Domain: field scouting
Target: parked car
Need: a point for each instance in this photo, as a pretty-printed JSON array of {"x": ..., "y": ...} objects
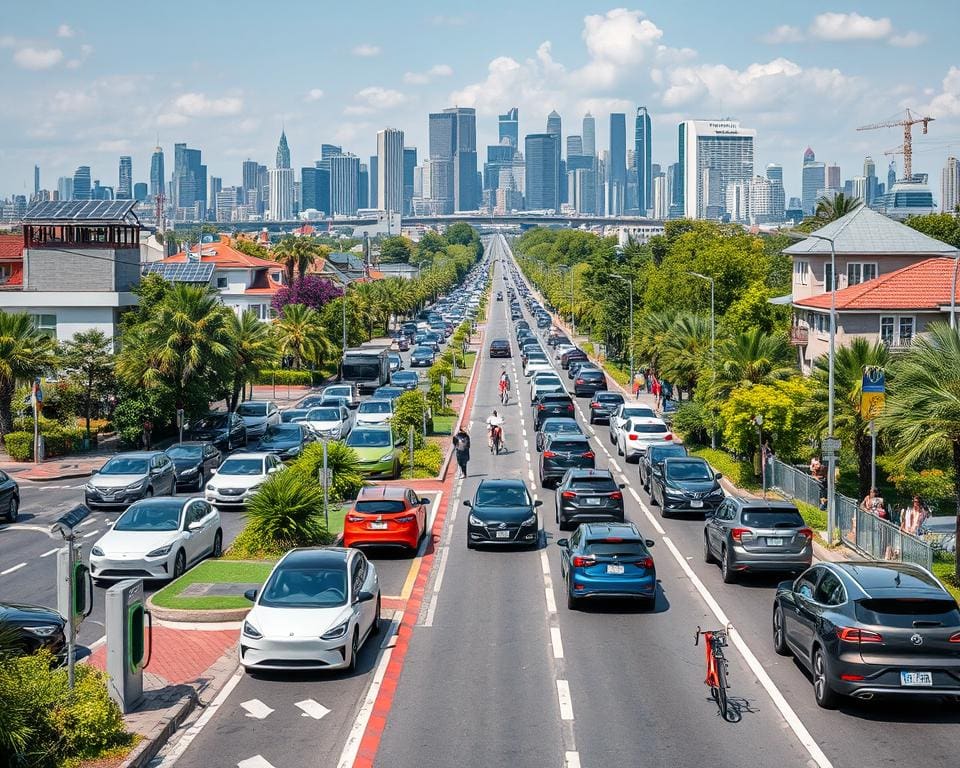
[
  {"x": 332, "y": 422},
  {"x": 500, "y": 348},
  {"x": 502, "y": 512},
  {"x": 349, "y": 390},
  {"x": 257, "y": 415},
  {"x": 608, "y": 560},
  {"x": 638, "y": 434},
  {"x": 866, "y": 629},
  {"x": 129, "y": 477},
  {"x": 286, "y": 440},
  {"x": 654, "y": 456},
  {"x": 756, "y": 535},
  {"x": 940, "y": 532},
  {"x": 422, "y": 357},
  {"x": 406, "y": 380},
  {"x": 603, "y": 404},
  {"x": 387, "y": 393},
  {"x": 240, "y": 477},
  {"x": 570, "y": 356},
  {"x": 157, "y": 539},
  {"x": 588, "y": 495},
  {"x": 193, "y": 462},
  {"x": 35, "y": 628},
  {"x": 588, "y": 382},
  {"x": 685, "y": 484},
  {"x": 551, "y": 404},
  {"x": 556, "y": 425},
  {"x": 296, "y": 414},
  {"x": 375, "y": 411},
  {"x": 386, "y": 516},
  {"x": 562, "y": 451},
  {"x": 377, "y": 450},
  {"x": 315, "y": 611},
  {"x": 9, "y": 497},
  {"x": 225, "y": 430}
]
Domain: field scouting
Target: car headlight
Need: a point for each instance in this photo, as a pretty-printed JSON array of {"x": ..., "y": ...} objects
[
  {"x": 337, "y": 632},
  {"x": 96, "y": 551},
  {"x": 160, "y": 552},
  {"x": 673, "y": 492},
  {"x": 386, "y": 457},
  {"x": 43, "y": 630},
  {"x": 532, "y": 520},
  {"x": 135, "y": 486},
  {"x": 210, "y": 487},
  {"x": 251, "y": 631},
  {"x": 716, "y": 492},
  {"x": 294, "y": 451},
  {"x": 474, "y": 520},
  {"x": 189, "y": 471},
  {"x": 256, "y": 487},
  {"x": 90, "y": 487}
]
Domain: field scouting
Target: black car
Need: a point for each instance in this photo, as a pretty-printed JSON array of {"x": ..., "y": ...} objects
[
  {"x": 285, "y": 440},
  {"x": 422, "y": 356},
  {"x": 602, "y": 404},
  {"x": 562, "y": 452},
  {"x": 576, "y": 365},
  {"x": 194, "y": 463},
  {"x": 550, "y": 404},
  {"x": 685, "y": 484},
  {"x": 409, "y": 330},
  {"x": 654, "y": 456},
  {"x": 407, "y": 380},
  {"x": 502, "y": 512},
  {"x": 588, "y": 382},
  {"x": 9, "y": 497},
  {"x": 544, "y": 321},
  {"x": 35, "y": 628},
  {"x": 588, "y": 495},
  {"x": 225, "y": 430},
  {"x": 556, "y": 425},
  {"x": 865, "y": 629},
  {"x": 521, "y": 324},
  {"x": 293, "y": 414},
  {"x": 500, "y": 348},
  {"x": 310, "y": 401},
  {"x": 570, "y": 356}
]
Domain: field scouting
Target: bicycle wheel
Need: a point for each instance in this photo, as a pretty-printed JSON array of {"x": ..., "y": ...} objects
[{"x": 728, "y": 712}]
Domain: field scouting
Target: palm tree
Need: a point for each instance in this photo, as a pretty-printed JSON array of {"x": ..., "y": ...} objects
[
  {"x": 301, "y": 335},
  {"x": 24, "y": 354},
  {"x": 651, "y": 335},
  {"x": 684, "y": 351},
  {"x": 831, "y": 209},
  {"x": 296, "y": 254},
  {"x": 252, "y": 349},
  {"x": 923, "y": 410},
  {"x": 753, "y": 356},
  {"x": 851, "y": 360}
]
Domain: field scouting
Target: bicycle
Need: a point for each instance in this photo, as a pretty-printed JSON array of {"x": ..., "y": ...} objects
[
  {"x": 715, "y": 642},
  {"x": 504, "y": 395},
  {"x": 496, "y": 440}
]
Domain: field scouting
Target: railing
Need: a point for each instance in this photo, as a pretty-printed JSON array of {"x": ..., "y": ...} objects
[{"x": 859, "y": 530}]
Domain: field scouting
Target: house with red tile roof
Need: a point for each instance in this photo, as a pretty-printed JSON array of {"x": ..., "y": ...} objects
[{"x": 11, "y": 262}]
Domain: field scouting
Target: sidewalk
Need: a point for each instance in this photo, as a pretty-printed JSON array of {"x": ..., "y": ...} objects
[{"x": 61, "y": 467}]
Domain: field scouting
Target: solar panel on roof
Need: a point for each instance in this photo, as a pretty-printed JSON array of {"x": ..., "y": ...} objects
[
  {"x": 81, "y": 210},
  {"x": 183, "y": 272}
]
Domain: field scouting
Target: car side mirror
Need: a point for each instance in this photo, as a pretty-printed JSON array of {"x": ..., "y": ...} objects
[
  {"x": 718, "y": 476},
  {"x": 656, "y": 470},
  {"x": 621, "y": 485},
  {"x": 195, "y": 526},
  {"x": 649, "y": 542},
  {"x": 425, "y": 501},
  {"x": 538, "y": 502},
  {"x": 563, "y": 543},
  {"x": 364, "y": 596},
  {"x": 272, "y": 470},
  {"x": 468, "y": 503},
  {"x": 251, "y": 595}
]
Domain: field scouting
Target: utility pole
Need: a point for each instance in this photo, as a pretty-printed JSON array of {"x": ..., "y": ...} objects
[{"x": 629, "y": 282}]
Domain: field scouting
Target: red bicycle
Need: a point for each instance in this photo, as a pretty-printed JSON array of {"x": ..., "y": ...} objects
[{"x": 715, "y": 640}]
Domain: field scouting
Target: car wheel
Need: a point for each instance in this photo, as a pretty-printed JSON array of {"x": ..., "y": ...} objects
[
  {"x": 572, "y": 602},
  {"x": 179, "y": 564},
  {"x": 14, "y": 511},
  {"x": 229, "y": 443},
  {"x": 707, "y": 554},
  {"x": 217, "y": 545},
  {"x": 825, "y": 696},
  {"x": 375, "y": 627},
  {"x": 779, "y": 633},
  {"x": 354, "y": 650},
  {"x": 726, "y": 571},
  {"x": 200, "y": 482}
]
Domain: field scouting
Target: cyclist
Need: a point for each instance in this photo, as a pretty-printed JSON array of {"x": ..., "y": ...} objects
[
  {"x": 504, "y": 385},
  {"x": 494, "y": 430}
]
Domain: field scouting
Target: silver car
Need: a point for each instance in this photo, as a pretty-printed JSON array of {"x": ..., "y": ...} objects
[
  {"x": 128, "y": 477},
  {"x": 257, "y": 415},
  {"x": 333, "y": 422}
]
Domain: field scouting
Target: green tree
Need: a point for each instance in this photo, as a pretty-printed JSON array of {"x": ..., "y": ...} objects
[
  {"x": 252, "y": 348},
  {"x": 830, "y": 209},
  {"x": 251, "y": 248},
  {"x": 781, "y": 405},
  {"x": 297, "y": 255},
  {"x": 685, "y": 351},
  {"x": 24, "y": 354},
  {"x": 88, "y": 358},
  {"x": 754, "y": 310},
  {"x": 301, "y": 335},
  {"x": 942, "y": 226},
  {"x": 753, "y": 357},
  {"x": 396, "y": 250}
]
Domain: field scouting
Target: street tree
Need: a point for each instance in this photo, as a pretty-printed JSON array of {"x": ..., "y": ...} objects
[
  {"x": 396, "y": 250},
  {"x": 25, "y": 353},
  {"x": 88, "y": 360},
  {"x": 833, "y": 208},
  {"x": 301, "y": 335},
  {"x": 252, "y": 349}
]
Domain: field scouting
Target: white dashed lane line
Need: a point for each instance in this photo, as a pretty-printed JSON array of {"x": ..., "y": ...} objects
[
  {"x": 566, "y": 704},
  {"x": 17, "y": 567}
]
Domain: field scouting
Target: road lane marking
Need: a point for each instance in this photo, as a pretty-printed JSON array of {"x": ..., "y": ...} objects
[
  {"x": 530, "y": 475},
  {"x": 613, "y": 463},
  {"x": 92, "y": 533},
  {"x": 571, "y": 760},
  {"x": 256, "y": 709},
  {"x": 17, "y": 567},
  {"x": 257, "y": 761},
  {"x": 50, "y": 552},
  {"x": 551, "y": 603},
  {"x": 556, "y": 642},
  {"x": 544, "y": 562},
  {"x": 87, "y": 522},
  {"x": 566, "y": 705},
  {"x": 313, "y": 708},
  {"x": 441, "y": 568}
]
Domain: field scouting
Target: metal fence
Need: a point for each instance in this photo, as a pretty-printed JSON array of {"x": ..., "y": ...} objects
[{"x": 859, "y": 530}]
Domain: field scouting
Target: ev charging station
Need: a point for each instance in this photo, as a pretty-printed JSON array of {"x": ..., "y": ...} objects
[
  {"x": 128, "y": 626},
  {"x": 74, "y": 584}
]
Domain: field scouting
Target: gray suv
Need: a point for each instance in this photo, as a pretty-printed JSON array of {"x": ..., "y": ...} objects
[
  {"x": 128, "y": 477},
  {"x": 757, "y": 535}
]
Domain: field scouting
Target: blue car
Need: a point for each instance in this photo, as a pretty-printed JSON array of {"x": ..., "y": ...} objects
[
  {"x": 422, "y": 356},
  {"x": 608, "y": 560}
]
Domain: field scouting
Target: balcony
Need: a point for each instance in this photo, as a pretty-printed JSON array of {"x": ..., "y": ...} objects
[
  {"x": 799, "y": 337},
  {"x": 898, "y": 344}
]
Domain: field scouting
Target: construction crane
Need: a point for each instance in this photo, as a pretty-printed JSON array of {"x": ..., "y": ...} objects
[{"x": 908, "y": 122}]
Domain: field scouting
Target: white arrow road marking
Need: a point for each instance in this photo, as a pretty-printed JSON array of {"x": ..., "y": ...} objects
[
  {"x": 257, "y": 761},
  {"x": 256, "y": 708},
  {"x": 313, "y": 709}
]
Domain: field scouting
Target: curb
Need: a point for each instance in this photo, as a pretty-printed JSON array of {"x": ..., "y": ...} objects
[
  {"x": 468, "y": 390},
  {"x": 23, "y": 474},
  {"x": 194, "y": 616}
]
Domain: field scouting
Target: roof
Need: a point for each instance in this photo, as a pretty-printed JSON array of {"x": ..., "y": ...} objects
[
  {"x": 924, "y": 285},
  {"x": 82, "y": 211},
  {"x": 383, "y": 492},
  {"x": 11, "y": 247},
  {"x": 182, "y": 272},
  {"x": 314, "y": 556},
  {"x": 224, "y": 255},
  {"x": 865, "y": 231},
  {"x": 623, "y": 530}
]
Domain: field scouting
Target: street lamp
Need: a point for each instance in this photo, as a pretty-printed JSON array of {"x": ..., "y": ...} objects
[
  {"x": 345, "y": 281},
  {"x": 629, "y": 282},
  {"x": 713, "y": 351},
  {"x": 573, "y": 321},
  {"x": 758, "y": 420}
]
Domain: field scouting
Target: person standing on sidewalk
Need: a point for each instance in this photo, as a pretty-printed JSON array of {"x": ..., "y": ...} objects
[
  {"x": 461, "y": 444},
  {"x": 147, "y": 434}
]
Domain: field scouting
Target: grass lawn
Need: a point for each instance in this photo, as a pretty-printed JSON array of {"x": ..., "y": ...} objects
[
  {"x": 336, "y": 515},
  {"x": 443, "y": 425},
  {"x": 457, "y": 387},
  {"x": 214, "y": 572},
  {"x": 945, "y": 570}
]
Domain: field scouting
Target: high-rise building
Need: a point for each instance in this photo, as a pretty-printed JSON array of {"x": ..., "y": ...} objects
[
  {"x": 870, "y": 173},
  {"x": 589, "y": 134},
  {"x": 65, "y": 188},
  {"x": 660, "y": 202},
  {"x": 315, "y": 189},
  {"x": 574, "y": 145},
  {"x": 189, "y": 180},
  {"x": 344, "y": 184},
  {"x": 775, "y": 173},
  {"x": 214, "y": 187},
  {"x": 499, "y": 157},
  {"x": 226, "y": 202},
  {"x": 36, "y": 180},
  {"x": 542, "y": 171},
  {"x": 283, "y": 151},
  {"x": 251, "y": 184},
  {"x": 813, "y": 177},
  {"x": 281, "y": 194},
  {"x": 509, "y": 127},
  {"x": 738, "y": 201},
  {"x": 643, "y": 161},
  {"x": 125, "y": 187},
  {"x": 833, "y": 177},
  {"x": 140, "y": 192},
  {"x": 390, "y": 170},
  {"x": 330, "y": 150},
  {"x": 373, "y": 169},
  {"x": 157, "y": 173},
  {"x": 891, "y": 174},
  {"x": 364, "y": 186},
  {"x": 713, "y": 155},
  {"x": 675, "y": 190},
  {"x": 466, "y": 192},
  {"x": 950, "y": 185},
  {"x": 555, "y": 127},
  {"x": 766, "y": 200},
  {"x": 443, "y": 146},
  {"x": 81, "y": 183},
  {"x": 554, "y": 123},
  {"x": 617, "y": 167},
  {"x": 409, "y": 165}
]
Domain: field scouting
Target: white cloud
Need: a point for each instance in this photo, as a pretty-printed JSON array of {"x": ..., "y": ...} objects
[
  {"x": 366, "y": 50},
  {"x": 946, "y": 103},
  {"x": 114, "y": 145},
  {"x": 37, "y": 58},
  {"x": 373, "y": 99},
  {"x": 620, "y": 36},
  {"x": 783, "y": 34},
  {"x": 422, "y": 78},
  {"x": 199, "y": 105},
  {"x": 73, "y": 101},
  {"x": 907, "y": 40},
  {"x": 171, "y": 118},
  {"x": 849, "y": 26},
  {"x": 65, "y": 30},
  {"x": 314, "y": 94}
]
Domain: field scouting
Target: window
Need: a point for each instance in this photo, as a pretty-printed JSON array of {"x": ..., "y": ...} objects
[
  {"x": 886, "y": 330},
  {"x": 221, "y": 282},
  {"x": 906, "y": 331},
  {"x": 801, "y": 272},
  {"x": 828, "y": 281},
  {"x": 830, "y": 590},
  {"x": 897, "y": 330},
  {"x": 46, "y": 324},
  {"x": 5, "y": 272},
  {"x": 806, "y": 585},
  {"x": 860, "y": 272}
]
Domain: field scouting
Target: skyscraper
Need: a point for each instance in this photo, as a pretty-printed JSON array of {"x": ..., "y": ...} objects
[
  {"x": 214, "y": 187},
  {"x": 574, "y": 145},
  {"x": 189, "y": 180},
  {"x": 157, "y": 173},
  {"x": 390, "y": 169},
  {"x": 251, "y": 184},
  {"x": 870, "y": 173},
  {"x": 283, "y": 151},
  {"x": 509, "y": 127},
  {"x": 443, "y": 144},
  {"x": 891, "y": 174},
  {"x": 409, "y": 165},
  {"x": 81, "y": 183},
  {"x": 713, "y": 155},
  {"x": 125, "y": 187},
  {"x": 833, "y": 177},
  {"x": 344, "y": 184},
  {"x": 542, "y": 171},
  {"x": 778, "y": 197},
  {"x": 813, "y": 178},
  {"x": 140, "y": 192},
  {"x": 554, "y": 124},
  {"x": 950, "y": 185},
  {"x": 660, "y": 201},
  {"x": 330, "y": 150},
  {"x": 617, "y": 168},
  {"x": 373, "y": 170},
  {"x": 775, "y": 173},
  {"x": 281, "y": 181},
  {"x": 36, "y": 180},
  {"x": 589, "y": 134},
  {"x": 643, "y": 159},
  {"x": 555, "y": 128},
  {"x": 466, "y": 192},
  {"x": 65, "y": 188}
]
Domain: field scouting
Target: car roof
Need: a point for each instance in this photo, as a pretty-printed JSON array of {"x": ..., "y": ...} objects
[
  {"x": 885, "y": 579},
  {"x": 137, "y": 455},
  {"x": 316, "y": 556},
  {"x": 607, "y": 393},
  {"x": 508, "y": 482},
  {"x": 584, "y": 472},
  {"x": 383, "y": 492},
  {"x": 752, "y": 503},
  {"x": 163, "y": 501},
  {"x": 189, "y": 442},
  {"x": 576, "y": 436},
  {"x": 551, "y": 420},
  {"x": 626, "y": 530},
  {"x": 250, "y": 455},
  {"x": 647, "y": 420}
]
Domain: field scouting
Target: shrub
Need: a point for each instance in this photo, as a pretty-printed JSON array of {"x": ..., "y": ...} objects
[
  {"x": 341, "y": 460},
  {"x": 408, "y": 412},
  {"x": 426, "y": 461},
  {"x": 691, "y": 420},
  {"x": 19, "y": 445},
  {"x": 286, "y": 512},
  {"x": 438, "y": 370},
  {"x": 283, "y": 376},
  {"x": 737, "y": 471}
]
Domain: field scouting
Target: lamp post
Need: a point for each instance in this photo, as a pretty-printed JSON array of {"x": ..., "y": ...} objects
[
  {"x": 713, "y": 350},
  {"x": 629, "y": 282},
  {"x": 758, "y": 420},
  {"x": 343, "y": 307}
]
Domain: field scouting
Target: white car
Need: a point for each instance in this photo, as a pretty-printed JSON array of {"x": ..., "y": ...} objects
[
  {"x": 315, "y": 611},
  {"x": 545, "y": 382},
  {"x": 157, "y": 539},
  {"x": 538, "y": 366},
  {"x": 239, "y": 477},
  {"x": 560, "y": 349},
  {"x": 375, "y": 411},
  {"x": 627, "y": 411},
  {"x": 257, "y": 415},
  {"x": 329, "y": 421},
  {"x": 638, "y": 434},
  {"x": 348, "y": 391}
]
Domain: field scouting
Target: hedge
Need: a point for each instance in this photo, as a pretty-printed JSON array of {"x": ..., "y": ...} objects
[
  {"x": 285, "y": 376},
  {"x": 57, "y": 442}
]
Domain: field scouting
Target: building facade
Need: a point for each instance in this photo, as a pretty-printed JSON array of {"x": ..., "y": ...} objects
[
  {"x": 390, "y": 170},
  {"x": 713, "y": 154},
  {"x": 589, "y": 134},
  {"x": 509, "y": 127},
  {"x": 643, "y": 161},
  {"x": 542, "y": 171},
  {"x": 812, "y": 178},
  {"x": 344, "y": 185},
  {"x": 950, "y": 185}
]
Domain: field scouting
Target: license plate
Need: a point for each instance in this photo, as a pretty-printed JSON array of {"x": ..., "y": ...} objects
[
  {"x": 592, "y": 501},
  {"x": 696, "y": 503},
  {"x": 614, "y": 569},
  {"x": 503, "y": 534},
  {"x": 108, "y": 497},
  {"x": 916, "y": 679},
  {"x": 378, "y": 526},
  {"x": 774, "y": 542}
]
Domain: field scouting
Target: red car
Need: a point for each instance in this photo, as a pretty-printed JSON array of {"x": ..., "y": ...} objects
[{"x": 386, "y": 516}]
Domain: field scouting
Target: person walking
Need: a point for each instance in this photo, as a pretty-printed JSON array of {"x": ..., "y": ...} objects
[
  {"x": 911, "y": 517},
  {"x": 873, "y": 504},
  {"x": 461, "y": 444},
  {"x": 147, "y": 434}
]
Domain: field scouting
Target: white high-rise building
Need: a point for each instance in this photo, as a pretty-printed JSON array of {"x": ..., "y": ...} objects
[
  {"x": 950, "y": 185},
  {"x": 661, "y": 197},
  {"x": 390, "y": 169},
  {"x": 713, "y": 155},
  {"x": 766, "y": 200},
  {"x": 589, "y": 135},
  {"x": 860, "y": 188},
  {"x": 281, "y": 194},
  {"x": 738, "y": 201}
]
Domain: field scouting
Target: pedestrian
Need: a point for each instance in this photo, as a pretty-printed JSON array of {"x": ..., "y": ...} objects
[
  {"x": 655, "y": 389},
  {"x": 911, "y": 517},
  {"x": 641, "y": 382},
  {"x": 147, "y": 434},
  {"x": 819, "y": 473},
  {"x": 636, "y": 386},
  {"x": 461, "y": 444},
  {"x": 873, "y": 504}
]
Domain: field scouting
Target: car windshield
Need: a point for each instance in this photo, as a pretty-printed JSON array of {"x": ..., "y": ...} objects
[
  {"x": 379, "y": 506},
  {"x": 637, "y": 412},
  {"x": 252, "y": 409},
  {"x": 405, "y": 376},
  {"x": 609, "y": 397},
  {"x": 568, "y": 445},
  {"x": 610, "y": 548},
  {"x": 241, "y": 467},
  {"x": 771, "y": 518},
  {"x": 212, "y": 422},
  {"x": 908, "y": 612},
  {"x": 502, "y": 496},
  {"x": 567, "y": 425},
  {"x": 283, "y": 432},
  {"x": 151, "y": 517},
  {"x": 660, "y": 452},
  {"x": 120, "y": 466},
  {"x": 298, "y": 587},
  {"x": 688, "y": 470},
  {"x": 323, "y": 414},
  {"x": 337, "y": 391},
  {"x": 423, "y": 351},
  {"x": 292, "y": 414},
  {"x": 376, "y": 406},
  {"x": 185, "y": 451},
  {"x": 369, "y": 438}
]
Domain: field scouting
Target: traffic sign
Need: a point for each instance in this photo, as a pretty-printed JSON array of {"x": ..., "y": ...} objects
[{"x": 831, "y": 444}]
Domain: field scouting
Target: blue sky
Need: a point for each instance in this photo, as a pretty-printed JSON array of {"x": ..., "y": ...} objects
[{"x": 87, "y": 82}]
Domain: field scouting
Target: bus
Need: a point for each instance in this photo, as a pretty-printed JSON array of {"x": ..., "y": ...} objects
[{"x": 367, "y": 367}]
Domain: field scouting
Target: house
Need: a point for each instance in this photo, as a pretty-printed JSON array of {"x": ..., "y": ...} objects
[{"x": 11, "y": 262}]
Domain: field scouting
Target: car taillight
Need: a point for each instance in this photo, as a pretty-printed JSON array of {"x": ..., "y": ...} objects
[
  {"x": 647, "y": 562},
  {"x": 616, "y": 495},
  {"x": 589, "y": 455},
  {"x": 405, "y": 519},
  {"x": 594, "y": 405},
  {"x": 806, "y": 533},
  {"x": 955, "y": 637},
  {"x": 632, "y": 436},
  {"x": 568, "y": 495},
  {"x": 668, "y": 436},
  {"x": 582, "y": 562},
  {"x": 569, "y": 406},
  {"x": 540, "y": 407},
  {"x": 549, "y": 455},
  {"x": 854, "y": 635},
  {"x": 739, "y": 534},
  {"x": 579, "y": 381},
  {"x": 354, "y": 519}
]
